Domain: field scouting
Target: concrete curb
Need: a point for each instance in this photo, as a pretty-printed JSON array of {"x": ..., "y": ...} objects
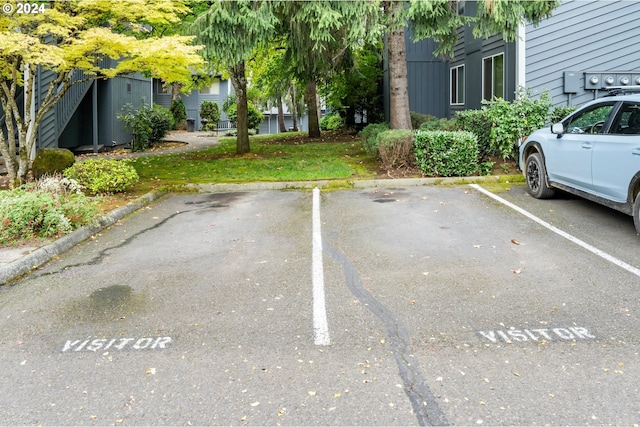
[
  {"x": 41, "y": 255},
  {"x": 357, "y": 184}
]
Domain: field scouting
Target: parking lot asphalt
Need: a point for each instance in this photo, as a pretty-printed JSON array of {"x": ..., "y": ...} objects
[
  {"x": 443, "y": 305},
  {"x": 19, "y": 260}
]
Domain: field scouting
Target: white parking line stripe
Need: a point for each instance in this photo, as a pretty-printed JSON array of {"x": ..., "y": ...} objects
[
  {"x": 602, "y": 254},
  {"x": 320, "y": 325}
]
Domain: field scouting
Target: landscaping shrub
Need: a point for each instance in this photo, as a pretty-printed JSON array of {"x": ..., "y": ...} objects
[
  {"x": 417, "y": 119},
  {"x": 210, "y": 111},
  {"x": 559, "y": 113},
  {"x": 511, "y": 121},
  {"x": 148, "y": 125},
  {"x": 446, "y": 153},
  {"x": 161, "y": 123},
  {"x": 477, "y": 122},
  {"x": 57, "y": 184},
  {"x": 434, "y": 123},
  {"x": 369, "y": 135},
  {"x": 32, "y": 211},
  {"x": 102, "y": 176},
  {"x": 49, "y": 161},
  {"x": 254, "y": 117},
  {"x": 179, "y": 114},
  {"x": 395, "y": 148},
  {"x": 332, "y": 122}
]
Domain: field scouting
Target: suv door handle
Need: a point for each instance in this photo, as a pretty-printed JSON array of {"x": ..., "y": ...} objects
[
  {"x": 636, "y": 151},
  {"x": 587, "y": 145}
]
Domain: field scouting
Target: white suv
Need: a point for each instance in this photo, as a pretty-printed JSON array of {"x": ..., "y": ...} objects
[{"x": 593, "y": 153}]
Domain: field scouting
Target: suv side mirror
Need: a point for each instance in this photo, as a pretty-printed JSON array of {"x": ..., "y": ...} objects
[{"x": 558, "y": 129}]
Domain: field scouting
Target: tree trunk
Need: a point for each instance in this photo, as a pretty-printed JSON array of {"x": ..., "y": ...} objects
[
  {"x": 27, "y": 128},
  {"x": 239, "y": 81},
  {"x": 281, "y": 126},
  {"x": 8, "y": 145},
  {"x": 176, "y": 90},
  {"x": 312, "y": 110},
  {"x": 399, "y": 113}
]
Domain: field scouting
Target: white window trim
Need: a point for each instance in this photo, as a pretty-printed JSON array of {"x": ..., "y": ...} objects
[
  {"x": 521, "y": 56},
  {"x": 457, "y": 68},
  {"x": 212, "y": 89},
  {"x": 162, "y": 89},
  {"x": 492, "y": 57}
]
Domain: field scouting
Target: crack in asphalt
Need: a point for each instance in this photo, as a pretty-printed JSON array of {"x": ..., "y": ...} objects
[
  {"x": 99, "y": 257},
  {"x": 211, "y": 201},
  {"x": 422, "y": 398}
]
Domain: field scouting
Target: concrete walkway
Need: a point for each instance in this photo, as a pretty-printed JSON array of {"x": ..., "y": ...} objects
[{"x": 195, "y": 141}]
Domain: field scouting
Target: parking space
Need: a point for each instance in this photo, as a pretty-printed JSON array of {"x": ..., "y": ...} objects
[
  {"x": 511, "y": 323},
  {"x": 443, "y": 306}
]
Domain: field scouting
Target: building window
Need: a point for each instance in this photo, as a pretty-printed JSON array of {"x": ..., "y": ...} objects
[
  {"x": 493, "y": 77},
  {"x": 213, "y": 89},
  {"x": 461, "y": 4},
  {"x": 162, "y": 86},
  {"x": 457, "y": 85}
]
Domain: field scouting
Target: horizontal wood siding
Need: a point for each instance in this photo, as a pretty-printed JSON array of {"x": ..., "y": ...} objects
[{"x": 582, "y": 36}]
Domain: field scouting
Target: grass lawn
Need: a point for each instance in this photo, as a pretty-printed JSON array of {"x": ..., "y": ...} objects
[{"x": 289, "y": 157}]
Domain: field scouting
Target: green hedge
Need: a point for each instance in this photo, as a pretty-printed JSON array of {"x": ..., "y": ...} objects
[
  {"x": 478, "y": 123},
  {"x": 49, "y": 161},
  {"x": 446, "y": 153}
]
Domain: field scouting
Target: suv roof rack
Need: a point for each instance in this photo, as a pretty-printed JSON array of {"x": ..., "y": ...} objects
[{"x": 621, "y": 90}]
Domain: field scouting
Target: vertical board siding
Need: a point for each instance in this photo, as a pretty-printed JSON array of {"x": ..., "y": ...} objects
[
  {"x": 120, "y": 96},
  {"x": 427, "y": 77},
  {"x": 582, "y": 36}
]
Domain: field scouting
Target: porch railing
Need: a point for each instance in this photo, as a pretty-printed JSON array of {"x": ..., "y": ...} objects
[{"x": 68, "y": 104}]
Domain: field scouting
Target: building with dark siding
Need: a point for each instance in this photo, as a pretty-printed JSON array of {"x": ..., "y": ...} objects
[{"x": 584, "y": 47}]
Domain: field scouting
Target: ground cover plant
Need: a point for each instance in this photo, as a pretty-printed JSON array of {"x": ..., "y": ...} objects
[
  {"x": 48, "y": 208},
  {"x": 103, "y": 176}
]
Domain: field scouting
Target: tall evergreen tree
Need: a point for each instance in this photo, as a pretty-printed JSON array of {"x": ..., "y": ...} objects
[
  {"x": 272, "y": 77},
  {"x": 317, "y": 35},
  {"x": 231, "y": 31}
]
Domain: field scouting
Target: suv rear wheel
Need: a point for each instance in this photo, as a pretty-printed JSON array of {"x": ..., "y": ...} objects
[
  {"x": 636, "y": 213},
  {"x": 536, "y": 177}
]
